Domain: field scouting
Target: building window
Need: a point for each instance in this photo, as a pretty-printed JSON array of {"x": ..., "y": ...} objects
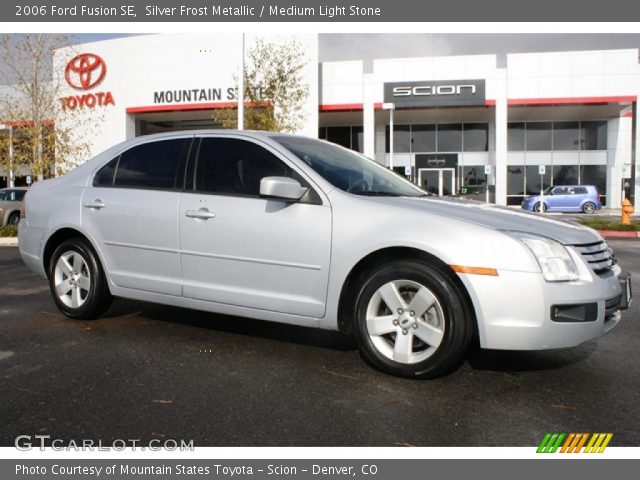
[
  {"x": 538, "y": 136},
  {"x": 515, "y": 184},
  {"x": 593, "y": 135},
  {"x": 562, "y": 136},
  {"x": 348, "y": 137},
  {"x": 565, "y": 175},
  {"x": 595, "y": 175},
  {"x": 472, "y": 176},
  {"x": 533, "y": 183},
  {"x": 339, "y": 135},
  {"x": 566, "y": 135},
  {"x": 475, "y": 137},
  {"x": 423, "y": 138},
  {"x": 449, "y": 137},
  {"x": 357, "y": 139},
  {"x": 515, "y": 137}
]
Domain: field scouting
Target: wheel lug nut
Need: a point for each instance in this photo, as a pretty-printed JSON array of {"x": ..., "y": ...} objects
[
  {"x": 412, "y": 313},
  {"x": 395, "y": 322},
  {"x": 400, "y": 311},
  {"x": 404, "y": 332},
  {"x": 415, "y": 325}
]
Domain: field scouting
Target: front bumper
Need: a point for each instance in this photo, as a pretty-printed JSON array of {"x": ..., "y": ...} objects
[{"x": 515, "y": 309}]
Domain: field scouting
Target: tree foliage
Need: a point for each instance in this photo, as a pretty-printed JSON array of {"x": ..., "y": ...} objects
[
  {"x": 31, "y": 103},
  {"x": 274, "y": 88}
]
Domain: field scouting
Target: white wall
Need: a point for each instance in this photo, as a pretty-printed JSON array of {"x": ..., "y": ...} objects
[{"x": 139, "y": 65}]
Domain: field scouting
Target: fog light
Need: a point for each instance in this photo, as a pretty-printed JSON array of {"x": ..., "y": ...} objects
[{"x": 587, "y": 312}]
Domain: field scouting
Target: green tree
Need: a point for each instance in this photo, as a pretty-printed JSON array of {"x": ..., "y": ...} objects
[
  {"x": 31, "y": 102},
  {"x": 274, "y": 88}
]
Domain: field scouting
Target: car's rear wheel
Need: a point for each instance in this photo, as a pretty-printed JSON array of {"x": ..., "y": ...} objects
[
  {"x": 77, "y": 281},
  {"x": 589, "y": 207},
  {"x": 14, "y": 219},
  {"x": 539, "y": 207},
  {"x": 411, "y": 320}
]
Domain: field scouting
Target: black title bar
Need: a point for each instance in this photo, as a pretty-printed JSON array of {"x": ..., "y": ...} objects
[{"x": 318, "y": 11}]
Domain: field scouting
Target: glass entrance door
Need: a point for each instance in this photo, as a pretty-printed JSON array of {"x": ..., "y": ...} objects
[{"x": 439, "y": 181}]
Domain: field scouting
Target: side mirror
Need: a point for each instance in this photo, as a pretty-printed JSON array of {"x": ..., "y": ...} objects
[{"x": 283, "y": 188}]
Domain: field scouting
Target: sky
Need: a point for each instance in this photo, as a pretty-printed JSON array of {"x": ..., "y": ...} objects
[{"x": 367, "y": 46}]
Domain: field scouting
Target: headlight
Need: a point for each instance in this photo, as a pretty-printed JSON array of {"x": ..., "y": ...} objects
[{"x": 554, "y": 259}]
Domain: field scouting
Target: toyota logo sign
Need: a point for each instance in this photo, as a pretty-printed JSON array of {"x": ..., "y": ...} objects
[{"x": 85, "y": 71}]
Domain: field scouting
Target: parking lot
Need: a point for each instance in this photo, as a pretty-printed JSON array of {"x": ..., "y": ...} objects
[{"x": 146, "y": 371}]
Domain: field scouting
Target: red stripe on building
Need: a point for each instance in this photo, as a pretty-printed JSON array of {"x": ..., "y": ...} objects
[
  {"x": 188, "y": 106},
  {"x": 570, "y": 100},
  {"x": 347, "y": 107}
]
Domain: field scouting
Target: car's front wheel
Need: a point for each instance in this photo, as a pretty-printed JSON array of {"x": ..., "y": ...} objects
[
  {"x": 411, "y": 320},
  {"x": 540, "y": 207},
  {"x": 589, "y": 207},
  {"x": 77, "y": 281}
]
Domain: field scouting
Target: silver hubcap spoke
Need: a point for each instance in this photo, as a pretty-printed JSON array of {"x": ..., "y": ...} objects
[
  {"x": 405, "y": 321},
  {"x": 422, "y": 302},
  {"x": 72, "y": 279},
  {"x": 391, "y": 296},
  {"x": 428, "y": 334}
]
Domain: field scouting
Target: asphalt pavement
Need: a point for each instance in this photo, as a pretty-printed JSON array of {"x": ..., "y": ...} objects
[{"x": 147, "y": 371}]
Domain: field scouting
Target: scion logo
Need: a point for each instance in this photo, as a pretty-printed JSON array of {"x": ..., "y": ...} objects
[
  {"x": 435, "y": 93},
  {"x": 428, "y": 90},
  {"x": 85, "y": 71},
  {"x": 436, "y": 162}
]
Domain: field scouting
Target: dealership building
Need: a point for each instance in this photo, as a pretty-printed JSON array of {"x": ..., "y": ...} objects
[{"x": 451, "y": 124}]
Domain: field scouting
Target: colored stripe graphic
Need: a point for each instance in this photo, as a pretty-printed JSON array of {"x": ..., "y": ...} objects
[
  {"x": 550, "y": 443},
  {"x": 574, "y": 442}
]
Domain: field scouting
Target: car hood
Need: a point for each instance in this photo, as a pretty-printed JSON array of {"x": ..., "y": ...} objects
[{"x": 498, "y": 218}]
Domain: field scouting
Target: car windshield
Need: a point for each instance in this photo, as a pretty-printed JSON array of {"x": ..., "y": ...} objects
[
  {"x": 348, "y": 170},
  {"x": 3, "y": 195},
  {"x": 547, "y": 191}
]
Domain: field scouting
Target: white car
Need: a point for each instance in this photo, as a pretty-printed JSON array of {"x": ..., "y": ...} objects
[{"x": 300, "y": 231}]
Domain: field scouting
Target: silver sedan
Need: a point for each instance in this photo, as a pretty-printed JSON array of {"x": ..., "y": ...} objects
[{"x": 300, "y": 231}]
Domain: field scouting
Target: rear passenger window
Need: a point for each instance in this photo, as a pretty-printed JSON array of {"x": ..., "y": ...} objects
[
  {"x": 154, "y": 165},
  {"x": 231, "y": 166},
  {"x": 580, "y": 191},
  {"x": 105, "y": 175}
]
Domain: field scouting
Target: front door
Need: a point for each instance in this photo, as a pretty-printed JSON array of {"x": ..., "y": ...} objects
[
  {"x": 237, "y": 248},
  {"x": 439, "y": 181}
]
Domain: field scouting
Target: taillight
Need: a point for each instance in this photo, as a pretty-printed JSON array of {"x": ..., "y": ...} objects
[{"x": 23, "y": 213}]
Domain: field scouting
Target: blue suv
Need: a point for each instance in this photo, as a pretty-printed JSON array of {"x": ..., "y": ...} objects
[{"x": 565, "y": 198}]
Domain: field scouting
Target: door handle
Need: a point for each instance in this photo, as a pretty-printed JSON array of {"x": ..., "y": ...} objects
[
  {"x": 96, "y": 204},
  {"x": 201, "y": 213}
]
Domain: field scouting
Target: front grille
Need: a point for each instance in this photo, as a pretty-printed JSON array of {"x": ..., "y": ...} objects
[{"x": 598, "y": 255}]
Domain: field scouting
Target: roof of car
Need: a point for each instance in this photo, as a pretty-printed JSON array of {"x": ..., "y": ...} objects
[{"x": 13, "y": 188}]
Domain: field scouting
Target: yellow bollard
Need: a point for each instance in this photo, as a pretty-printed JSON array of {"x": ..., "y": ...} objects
[{"x": 627, "y": 210}]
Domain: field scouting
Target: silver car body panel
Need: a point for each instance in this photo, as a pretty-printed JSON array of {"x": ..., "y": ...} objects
[{"x": 288, "y": 262}]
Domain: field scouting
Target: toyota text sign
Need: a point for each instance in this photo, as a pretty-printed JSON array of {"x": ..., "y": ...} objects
[{"x": 440, "y": 93}]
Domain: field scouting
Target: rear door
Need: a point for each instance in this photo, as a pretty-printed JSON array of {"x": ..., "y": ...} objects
[
  {"x": 131, "y": 211},
  {"x": 240, "y": 249}
]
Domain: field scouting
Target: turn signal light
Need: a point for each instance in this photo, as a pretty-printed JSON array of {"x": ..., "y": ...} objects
[{"x": 475, "y": 270}]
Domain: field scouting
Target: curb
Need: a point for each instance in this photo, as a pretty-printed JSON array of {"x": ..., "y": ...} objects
[
  {"x": 8, "y": 241},
  {"x": 616, "y": 234}
]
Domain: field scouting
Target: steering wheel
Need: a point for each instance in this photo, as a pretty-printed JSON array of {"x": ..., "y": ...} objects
[{"x": 359, "y": 186}]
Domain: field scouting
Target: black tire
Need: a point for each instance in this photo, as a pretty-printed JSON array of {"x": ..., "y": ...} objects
[
  {"x": 540, "y": 207},
  {"x": 457, "y": 320},
  {"x": 14, "y": 219},
  {"x": 98, "y": 297},
  {"x": 589, "y": 207}
]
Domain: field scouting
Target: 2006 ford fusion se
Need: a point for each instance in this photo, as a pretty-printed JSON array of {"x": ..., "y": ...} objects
[{"x": 301, "y": 231}]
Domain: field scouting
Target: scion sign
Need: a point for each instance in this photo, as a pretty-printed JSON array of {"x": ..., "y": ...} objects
[{"x": 442, "y": 93}]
